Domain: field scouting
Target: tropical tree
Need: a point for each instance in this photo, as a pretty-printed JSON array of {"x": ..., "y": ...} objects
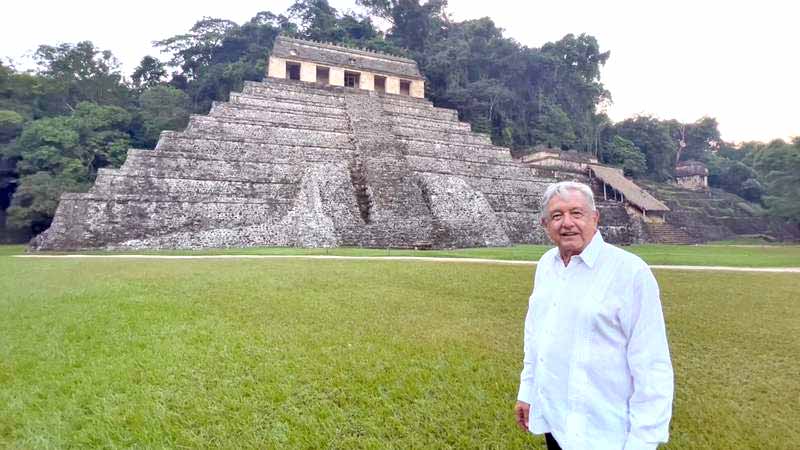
[
  {"x": 80, "y": 72},
  {"x": 148, "y": 73},
  {"x": 58, "y": 154},
  {"x": 653, "y": 138},
  {"x": 624, "y": 153},
  {"x": 161, "y": 108},
  {"x": 779, "y": 166},
  {"x": 414, "y": 25}
]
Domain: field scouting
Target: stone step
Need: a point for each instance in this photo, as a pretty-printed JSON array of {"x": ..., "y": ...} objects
[
  {"x": 198, "y": 122},
  {"x": 423, "y": 145},
  {"x": 439, "y": 132},
  {"x": 422, "y": 112},
  {"x": 235, "y": 154},
  {"x": 212, "y": 127},
  {"x": 136, "y": 216},
  {"x": 157, "y": 164},
  {"x": 493, "y": 185},
  {"x": 411, "y": 122},
  {"x": 114, "y": 182},
  {"x": 95, "y": 196},
  {"x": 290, "y": 107},
  {"x": 312, "y": 97},
  {"x": 665, "y": 233},
  {"x": 241, "y": 113},
  {"x": 418, "y": 134},
  {"x": 472, "y": 168},
  {"x": 477, "y": 155},
  {"x": 228, "y": 148},
  {"x": 278, "y": 102},
  {"x": 425, "y": 121},
  {"x": 405, "y": 101}
]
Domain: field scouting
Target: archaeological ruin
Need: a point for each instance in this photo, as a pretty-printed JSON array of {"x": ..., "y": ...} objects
[{"x": 335, "y": 147}]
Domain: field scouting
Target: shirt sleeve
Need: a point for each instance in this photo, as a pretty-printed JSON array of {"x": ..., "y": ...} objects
[
  {"x": 529, "y": 359},
  {"x": 650, "y": 405}
]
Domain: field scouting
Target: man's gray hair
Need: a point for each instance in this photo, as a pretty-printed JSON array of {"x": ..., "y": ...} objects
[{"x": 563, "y": 187}]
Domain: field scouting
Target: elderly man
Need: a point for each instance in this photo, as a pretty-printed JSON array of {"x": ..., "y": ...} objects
[{"x": 597, "y": 372}]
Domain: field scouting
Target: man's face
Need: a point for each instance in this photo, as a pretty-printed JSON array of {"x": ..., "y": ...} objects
[{"x": 570, "y": 223}]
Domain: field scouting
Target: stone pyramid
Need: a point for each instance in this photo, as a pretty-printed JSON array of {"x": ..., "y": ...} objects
[{"x": 314, "y": 164}]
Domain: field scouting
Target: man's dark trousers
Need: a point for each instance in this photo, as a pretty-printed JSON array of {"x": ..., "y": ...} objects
[{"x": 552, "y": 444}]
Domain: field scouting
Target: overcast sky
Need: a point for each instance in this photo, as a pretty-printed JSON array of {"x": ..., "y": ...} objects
[{"x": 738, "y": 61}]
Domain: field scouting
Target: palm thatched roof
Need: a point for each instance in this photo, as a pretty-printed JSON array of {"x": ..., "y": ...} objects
[{"x": 632, "y": 193}]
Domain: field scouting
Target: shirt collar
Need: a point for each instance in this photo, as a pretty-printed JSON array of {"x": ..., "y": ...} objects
[
  {"x": 589, "y": 254},
  {"x": 592, "y": 251}
]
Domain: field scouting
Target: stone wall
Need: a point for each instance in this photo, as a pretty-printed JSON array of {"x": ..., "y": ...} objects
[
  {"x": 338, "y": 56},
  {"x": 311, "y": 55},
  {"x": 295, "y": 164},
  {"x": 693, "y": 182}
]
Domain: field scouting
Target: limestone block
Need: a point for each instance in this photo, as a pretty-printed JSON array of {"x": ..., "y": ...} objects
[
  {"x": 336, "y": 75},
  {"x": 306, "y": 95},
  {"x": 367, "y": 81},
  {"x": 418, "y": 111},
  {"x": 239, "y": 149},
  {"x": 417, "y": 89},
  {"x": 277, "y": 105},
  {"x": 431, "y": 124},
  {"x": 444, "y": 136},
  {"x": 277, "y": 67},
  {"x": 329, "y": 122},
  {"x": 308, "y": 72},
  {"x": 392, "y": 85},
  {"x": 227, "y": 129}
]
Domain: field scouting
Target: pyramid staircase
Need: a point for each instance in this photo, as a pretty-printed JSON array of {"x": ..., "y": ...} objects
[
  {"x": 714, "y": 215},
  {"x": 665, "y": 233}
]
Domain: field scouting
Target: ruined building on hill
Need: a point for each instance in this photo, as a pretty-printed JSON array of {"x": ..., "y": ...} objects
[{"x": 336, "y": 147}]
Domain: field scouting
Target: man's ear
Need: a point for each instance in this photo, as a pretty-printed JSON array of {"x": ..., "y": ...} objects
[{"x": 597, "y": 216}]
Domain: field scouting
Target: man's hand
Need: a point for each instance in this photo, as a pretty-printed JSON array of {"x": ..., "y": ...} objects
[{"x": 522, "y": 411}]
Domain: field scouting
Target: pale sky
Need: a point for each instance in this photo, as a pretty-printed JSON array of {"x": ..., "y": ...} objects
[{"x": 737, "y": 61}]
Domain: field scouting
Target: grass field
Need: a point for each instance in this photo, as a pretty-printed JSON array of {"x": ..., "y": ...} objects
[
  {"x": 695, "y": 255},
  {"x": 349, "y": 354}
]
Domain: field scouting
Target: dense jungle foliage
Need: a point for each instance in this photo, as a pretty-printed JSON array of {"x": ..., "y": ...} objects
[{"x": 77, "y": 112}]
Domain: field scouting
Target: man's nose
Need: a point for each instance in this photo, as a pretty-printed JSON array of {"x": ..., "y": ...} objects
[{"x": 568, "y": 222}]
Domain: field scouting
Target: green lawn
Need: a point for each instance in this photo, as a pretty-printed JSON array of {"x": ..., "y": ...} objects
[
  {"x": 349, "y": 354},
  {"x": 656, "y": 254}
]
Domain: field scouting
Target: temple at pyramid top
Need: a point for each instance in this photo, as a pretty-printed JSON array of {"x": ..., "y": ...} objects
[{"x": 334, "y": 65}]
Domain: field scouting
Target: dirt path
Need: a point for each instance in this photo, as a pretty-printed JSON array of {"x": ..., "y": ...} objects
[{"x": 400, "y": 258}]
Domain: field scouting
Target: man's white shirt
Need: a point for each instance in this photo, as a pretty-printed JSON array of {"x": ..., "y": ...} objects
[{"x": 597, "y": 370}]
